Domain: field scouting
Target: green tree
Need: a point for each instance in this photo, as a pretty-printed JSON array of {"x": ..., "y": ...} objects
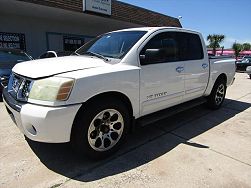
[
  {"x": 214, "y": 41},
  {"x": 237, "y": 47},
  {"x": 246, "y": 46}
]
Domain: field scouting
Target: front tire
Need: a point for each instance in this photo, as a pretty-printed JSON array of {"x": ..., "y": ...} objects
[
  {"x": 217, "y": 96},
  {"x": 100, "y": 128}
]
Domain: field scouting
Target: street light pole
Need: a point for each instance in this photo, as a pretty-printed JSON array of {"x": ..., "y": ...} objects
[{"x": 179, "y": 18}]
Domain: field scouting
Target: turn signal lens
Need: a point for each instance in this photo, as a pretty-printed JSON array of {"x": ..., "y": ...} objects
[{"x": 64, "y": 91}]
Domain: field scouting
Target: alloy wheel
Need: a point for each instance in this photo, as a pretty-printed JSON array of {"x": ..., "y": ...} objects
[
  {"x": 105, "y": 130},
  {"x": 220, "y": 94}
]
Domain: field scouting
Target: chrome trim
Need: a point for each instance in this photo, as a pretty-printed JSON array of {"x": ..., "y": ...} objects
[{"x": 19, "y": 87}]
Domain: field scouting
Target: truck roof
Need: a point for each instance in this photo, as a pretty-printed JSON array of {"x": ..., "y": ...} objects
[{"x": 156, "y": 29}]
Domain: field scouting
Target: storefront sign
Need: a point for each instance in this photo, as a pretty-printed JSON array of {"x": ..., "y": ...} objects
[
  {"x": 99, "y": 6},
  {"x": 12, "y": 40}
]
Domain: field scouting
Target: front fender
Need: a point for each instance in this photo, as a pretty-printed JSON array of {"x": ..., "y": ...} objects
[{"x": 122, "y": 79}]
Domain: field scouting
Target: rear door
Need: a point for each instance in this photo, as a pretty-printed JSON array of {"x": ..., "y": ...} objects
[
  {"x": 196, "y": 66},
  {"x": 161, "y": 79}
]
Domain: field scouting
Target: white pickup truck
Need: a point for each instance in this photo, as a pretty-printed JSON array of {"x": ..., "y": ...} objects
[{"x": 94, "y": 97}]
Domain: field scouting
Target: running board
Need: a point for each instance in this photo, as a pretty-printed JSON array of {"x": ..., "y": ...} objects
[{"x": 162, "y": 114}]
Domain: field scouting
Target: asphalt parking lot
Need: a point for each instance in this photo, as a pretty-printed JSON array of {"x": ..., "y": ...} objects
[{"x": 196, "y": 148}]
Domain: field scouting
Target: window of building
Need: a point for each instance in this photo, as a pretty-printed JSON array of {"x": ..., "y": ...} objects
[
  {"x": 73, "y": 43},
  {"x": 12, "y": 40}
]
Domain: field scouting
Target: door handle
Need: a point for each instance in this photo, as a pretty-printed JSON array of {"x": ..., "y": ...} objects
[
  {"x": 204, "y": 65},
  {"x": 179, "y": 69}
]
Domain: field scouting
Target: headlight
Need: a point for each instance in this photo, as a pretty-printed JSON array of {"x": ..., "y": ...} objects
[{"x": 51, "y": 89}]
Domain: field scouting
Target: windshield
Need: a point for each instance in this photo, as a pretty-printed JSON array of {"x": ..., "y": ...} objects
[
  {"x": 13, "y": 57},
  {"x": 246, "y": 60},
  {"x": 113, "y": 45}
]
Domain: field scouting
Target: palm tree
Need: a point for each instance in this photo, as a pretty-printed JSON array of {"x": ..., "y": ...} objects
[
  {"x": 246, "y": 46},
  {"x": 214, "y": 41},
  {"x": 237, "y": 47}
]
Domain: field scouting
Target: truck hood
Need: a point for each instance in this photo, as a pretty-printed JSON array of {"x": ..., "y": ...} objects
[{"x": 52, "y": 66}]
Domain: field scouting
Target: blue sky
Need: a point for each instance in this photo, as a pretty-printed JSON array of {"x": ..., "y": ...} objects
[{"x": 229, "y": 17}]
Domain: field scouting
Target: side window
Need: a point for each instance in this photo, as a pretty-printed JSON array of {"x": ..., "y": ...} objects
[
  {"x": 160, "y": 49},
  {"x": 171, "y": 47},
  {"x": 195, "y": 47},
  {"x": 190, "y": 46}
]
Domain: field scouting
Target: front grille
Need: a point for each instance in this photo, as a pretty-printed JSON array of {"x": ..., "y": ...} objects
[
  {"x": 19, "y": 87},
  {"x": 16, "y": 83},
  {"x": 24, "y": 90}
]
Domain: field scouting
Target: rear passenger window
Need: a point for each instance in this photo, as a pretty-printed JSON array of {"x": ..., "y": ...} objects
[
  {"x": 190, "y": 46},
  {"x": 172, "y": 47},
  {"x": 196, "y": 46}
]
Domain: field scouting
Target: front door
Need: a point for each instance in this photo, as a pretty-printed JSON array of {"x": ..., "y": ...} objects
[{"x": 162, "y": 77}]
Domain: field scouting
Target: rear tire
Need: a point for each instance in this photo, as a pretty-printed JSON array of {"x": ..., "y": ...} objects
[
  {"x": 250, "y": 76},
  {"x": 100, "y": 127},
  {"x": 217, "y": 96}
]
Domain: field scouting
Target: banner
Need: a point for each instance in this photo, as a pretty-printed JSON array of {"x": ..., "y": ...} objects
[{"x": 12, "y": 40}]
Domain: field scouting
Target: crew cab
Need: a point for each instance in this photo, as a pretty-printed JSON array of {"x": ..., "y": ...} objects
[{"x": 93, "y": 98}]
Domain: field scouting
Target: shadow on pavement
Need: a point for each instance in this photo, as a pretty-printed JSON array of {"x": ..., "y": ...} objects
[{"x": 143, "y": 146}]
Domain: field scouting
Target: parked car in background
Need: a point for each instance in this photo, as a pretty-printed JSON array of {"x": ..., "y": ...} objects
[
  {"x": 210, "y": 55},
  {"x": 8, "y": 59},
  {"x": 243, "y": 64},
  {"x": 50, "y": 54},
  {"x": 248, "y": 71}
]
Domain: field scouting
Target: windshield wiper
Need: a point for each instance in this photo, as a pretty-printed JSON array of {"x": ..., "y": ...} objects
[
  {"x": 96, "y": 55},
  {"x": 75, "y": 53}
]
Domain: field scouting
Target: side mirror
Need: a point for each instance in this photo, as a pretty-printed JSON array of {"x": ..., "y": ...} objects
[{"x": 152, "y": 55}]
